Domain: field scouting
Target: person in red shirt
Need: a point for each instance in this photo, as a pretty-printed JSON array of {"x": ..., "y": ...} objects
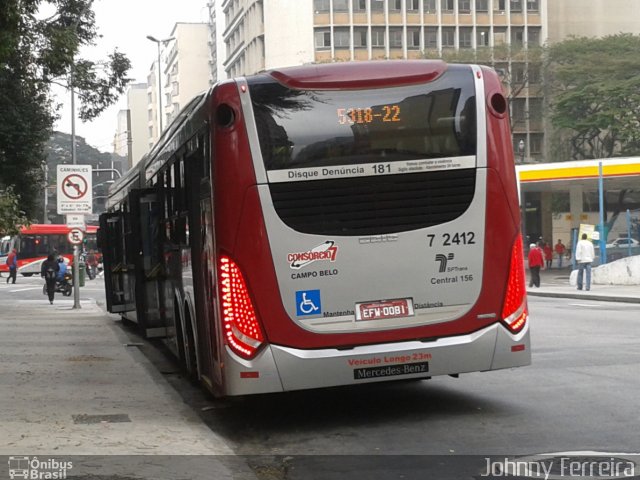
[
  {"x": 536, "y": 262},
  {"x": 12, "y": 263},
  {"x": 560, "y": 251},
  {"x": 548, "y": 254}
]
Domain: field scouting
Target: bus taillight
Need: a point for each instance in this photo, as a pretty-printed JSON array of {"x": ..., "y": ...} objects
[
  {"x": 241, "y": 328},
  {"x": 514, "y": 309}
]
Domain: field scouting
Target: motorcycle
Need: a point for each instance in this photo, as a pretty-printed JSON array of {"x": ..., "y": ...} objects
[
  {"x": 92, "y": 271},
  {"x": 63, "y": 286}
]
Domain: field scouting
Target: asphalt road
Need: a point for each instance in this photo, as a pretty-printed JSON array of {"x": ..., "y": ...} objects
[
  {"x": 30, "y": 288},
  {"x": 580, "y": 394}
]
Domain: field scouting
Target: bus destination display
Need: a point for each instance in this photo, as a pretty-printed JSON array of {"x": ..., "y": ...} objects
[{"x": 383, "y": 113}]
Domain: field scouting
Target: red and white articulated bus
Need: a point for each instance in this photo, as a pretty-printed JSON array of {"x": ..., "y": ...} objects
[
  {"x": 36, "y": 241},
  {"x": 327, "y": 225}
]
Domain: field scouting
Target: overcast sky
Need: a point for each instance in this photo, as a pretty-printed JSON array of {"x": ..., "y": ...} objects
[{"x": 125, "y": 24}]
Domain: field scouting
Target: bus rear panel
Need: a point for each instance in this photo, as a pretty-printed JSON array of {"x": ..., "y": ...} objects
[{"x": 366, "y": 226}]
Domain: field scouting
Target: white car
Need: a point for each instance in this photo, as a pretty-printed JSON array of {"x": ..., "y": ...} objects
[{"x": 623, "y": 242}]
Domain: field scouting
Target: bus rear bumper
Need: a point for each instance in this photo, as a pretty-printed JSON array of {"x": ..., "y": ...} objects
[{"x": 280, "y": 368}]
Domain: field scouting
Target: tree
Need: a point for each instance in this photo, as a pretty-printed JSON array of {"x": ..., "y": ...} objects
[
  {"x": 593, "y": 90},
  {"x": 36, "y": 53},
  {"x": 11, "y": 216}
]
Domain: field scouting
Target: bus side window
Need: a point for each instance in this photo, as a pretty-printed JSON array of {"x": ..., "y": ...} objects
[{"x": 4, "y": 246}]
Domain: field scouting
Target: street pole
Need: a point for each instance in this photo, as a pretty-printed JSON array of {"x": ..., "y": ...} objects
[
  {"x": 76, "y": 254},
  {"x": 112, "y": 170},
  {"x": 159, "y": 93},
  {"x": 158, "y": 43},
  {"x": 129, "y": 141},
  {"x": 45, "y": 216},
  {"x": 629, "y": 231},
  {"x": 603, "y": 239}
]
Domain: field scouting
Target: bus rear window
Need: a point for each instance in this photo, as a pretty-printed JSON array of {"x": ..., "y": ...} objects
[{"x": 316, "y": 128}]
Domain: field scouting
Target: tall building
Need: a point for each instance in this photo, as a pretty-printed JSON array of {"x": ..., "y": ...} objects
[
  {"x": 186, "y": 72},
  {"x": 215, "y": 42},
  {"x": 131, "y": 126},
  {"x": 184, "y": 66},
  {"x": 262, "y": 34},
  {"x": 154, "y": 94},
  {"x": 254, "y": 35},
  {"x": 592, "y": 18}
]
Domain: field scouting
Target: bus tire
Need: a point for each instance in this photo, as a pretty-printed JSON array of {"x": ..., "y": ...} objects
[
  {"x": 190, "y": 347},
  {"x": 185, "y": 341},
  {"x": 27, "y": 274}
]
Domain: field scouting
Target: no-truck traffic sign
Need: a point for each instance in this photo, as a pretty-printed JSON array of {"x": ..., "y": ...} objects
[{"x": 74, "y": 189}]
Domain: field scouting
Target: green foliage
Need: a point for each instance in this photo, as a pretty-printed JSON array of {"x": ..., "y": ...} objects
[
  {"x": 35, "y": 53},
  {"x": 11, "y": 216},
  {"x": 593, "y": 89}
]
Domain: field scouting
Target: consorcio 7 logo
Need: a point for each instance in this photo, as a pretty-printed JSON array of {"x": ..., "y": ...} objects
[{"x": 326, "y": 251}]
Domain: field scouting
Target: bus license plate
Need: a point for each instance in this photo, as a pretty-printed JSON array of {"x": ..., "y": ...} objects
[{"x": 383, "y": 309}]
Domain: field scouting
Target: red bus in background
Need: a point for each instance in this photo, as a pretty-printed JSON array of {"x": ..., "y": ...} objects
[
  {"x": 324, "y": 225},
  {"x": 36, "y": 241}
]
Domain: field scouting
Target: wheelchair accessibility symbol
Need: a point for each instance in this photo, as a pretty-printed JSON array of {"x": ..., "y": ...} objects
[{"x": 308, "y": 302}]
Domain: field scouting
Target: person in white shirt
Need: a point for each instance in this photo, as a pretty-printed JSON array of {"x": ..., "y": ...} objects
[{"x": 584, "y": 257}]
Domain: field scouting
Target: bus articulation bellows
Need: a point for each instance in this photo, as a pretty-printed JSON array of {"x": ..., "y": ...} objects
[{"x": 327, "y": 225}]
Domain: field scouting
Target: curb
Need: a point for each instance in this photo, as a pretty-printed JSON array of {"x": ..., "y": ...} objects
[{"x": 600, "y": 298}]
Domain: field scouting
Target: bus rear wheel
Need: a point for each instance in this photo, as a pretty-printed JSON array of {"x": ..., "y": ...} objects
[
  {"x": 190, "y": 347},
  {"x": 186, "y": 342}
]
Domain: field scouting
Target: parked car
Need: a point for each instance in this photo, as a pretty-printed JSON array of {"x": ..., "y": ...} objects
[{"x": 623, "y": 242}]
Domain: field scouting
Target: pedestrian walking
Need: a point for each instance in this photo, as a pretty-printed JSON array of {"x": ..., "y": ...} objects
[
  {"x": 536, "y": 262},
  {"x": 548, "y": 254},
  {"x": 49, "y": 271},
  {"x": 561, "y": 250},
  {"x": 12, "y": 263},
  {"x": 92, "y": 264},
  {"x": 584, "y": 256}
]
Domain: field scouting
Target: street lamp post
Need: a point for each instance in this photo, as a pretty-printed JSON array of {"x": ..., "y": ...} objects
[
  {"x": 106, "y": 183},
  {"x": 112, "y": 170},
  {"x": 76, "y": 249},
  {"x": 159, "y": 43}
]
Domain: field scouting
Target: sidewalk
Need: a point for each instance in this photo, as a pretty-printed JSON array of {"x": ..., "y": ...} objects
[
  {"x": 555, "y": 283},
  {"x": 72, "y": 384}
]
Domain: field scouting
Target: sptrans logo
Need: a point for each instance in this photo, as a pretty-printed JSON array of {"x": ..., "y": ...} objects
[
  {"x": 36, "y": 469},
  {"x": 327, "y": 251}
]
